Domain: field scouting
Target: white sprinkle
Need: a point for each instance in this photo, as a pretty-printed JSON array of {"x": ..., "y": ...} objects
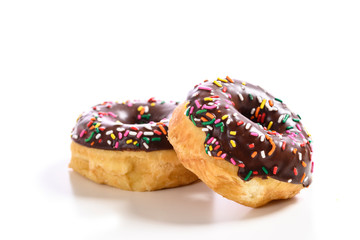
[
  {"x": 99, "y": 119},
  {"x": 109, "y": 132},
  {"x": 109, "y": 142},
  {"x": 252, "y": 111},
  {"x": 262, "y": 154},
  {"x": 248, "y": 125},
  {"x": 148, "y": 127},
  {"x": 197, "y": 119},
  {"x": 75, "y": 136},
  {"x": 213, "y": 141},
  {"x": 275, "y": 109},
  {"x": 242, "y": 87},
  {"x": 205, "y": 129},
  {"x": 120, "y": 129},
  {"x": 300, "y": 156},
  {"x": 165, "y": 120},
  {"x": 228, "y": 121},
  {"x": 209, "y": 127},
  {"x": 145, "y": 145},
  {"x": 280, "y": 118},
  {"x": 241, "y": 97},
  {"x": 148, "y": 133},
  {"x": 132, "y": 133},
  {"x": 290, "y": 180},
  {"x": 235, "y": 114},
  {"x": 306, "y": 178},
  {"x": 262, "y": 138},
  {"x": 259, "y": 99},
  {"x": 98, "y": 136},
  {"x": 118, "y": 123},
  {"x": 146, "y": 109},
  {"x": 195, "y": 94}
]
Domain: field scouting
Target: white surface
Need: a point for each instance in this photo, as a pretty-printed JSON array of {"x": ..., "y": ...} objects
[{"x": 59, "y": 58}]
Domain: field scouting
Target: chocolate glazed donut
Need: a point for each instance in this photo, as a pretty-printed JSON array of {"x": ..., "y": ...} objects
[
  {"x": 253, "y": 130},
  {"x": 250, "y": 129},
  {"x": 125, "y": 145}
]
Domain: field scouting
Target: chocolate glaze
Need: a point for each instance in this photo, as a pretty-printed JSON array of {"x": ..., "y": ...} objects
[
  {"x": 136, "y": 125},
  {"x": 252, "y": 130}
]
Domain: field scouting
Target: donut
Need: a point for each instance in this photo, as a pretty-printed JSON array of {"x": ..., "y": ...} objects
[
  {"x": 125, "y": 145},
  {"x": 242, "y": 142}
]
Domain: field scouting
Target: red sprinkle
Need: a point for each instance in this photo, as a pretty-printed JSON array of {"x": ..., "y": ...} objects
[
  {"x": 240, "y": 123},
  {"x": 295, "y": 171},
  {"x": 251, "y": 145},
  {"x": 157, "y": 132},
  {"x": 275, "y": 170}
]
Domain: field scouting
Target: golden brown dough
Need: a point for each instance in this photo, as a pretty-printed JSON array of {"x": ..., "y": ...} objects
[
  {"x": 220, "y": 175},
  {"x": 130, "y": 170}
]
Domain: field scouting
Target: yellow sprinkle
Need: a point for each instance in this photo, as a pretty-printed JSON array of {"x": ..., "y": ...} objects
[
  {"x": 217, "y": 83},
  {"x": 233, "y": 143},
  {"x": 270, "y": 125},
  {"x": 97, "y": 125},
  {"x": 208, "y": 99},
  {"x": 140, "y": 108},
  {"x": 112, "y": 136},
  {"x": 129, "y": 141},
  {"x": 135, "y": 143},
  {"x": 152, "y": 104},
  {"x": 210, "y": 148},
  {"x": 307, "y": 132},
  {"x": 243, "y": 83},
  {"x": 187, "y": 103},
  {"x": 224, "y": 117},
  {"x": 223, "y": 80},
  {"x": 233, "y": 133},
  {"x": 263, "y": 103}
]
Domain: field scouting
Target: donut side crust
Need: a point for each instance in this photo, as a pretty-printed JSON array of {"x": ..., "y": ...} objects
[
  {"x": 220, "y": 175},
  {"x": 130, "y": 170}
]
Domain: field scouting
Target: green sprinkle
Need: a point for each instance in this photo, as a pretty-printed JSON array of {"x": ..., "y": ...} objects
[
  {"x": 138, "y": 144},
  {"x": 298, "y": 116},
  {"x": 89, "y": 138},
  {"x": 279, "y": 100},
  {"x": 251, "y": 97},
  {"x": 220, "y": 124},
  {"x": 285, "y": 118},
  {"x": 248, "y": 175},
  {"x": 147, "y": 116},
  {"x": 208, "y": 122},
  {"x": 146, "y": 139},
  {"x": 162, "y": 102},
  {"x": 206, "y": 149},
  {"x": 222, "y": 128},
  {"x": 296, "y": 120},
  {"x": 156, "y": 139},
  {"x": 187, "y": 111},
  {"x": 192, "y": 119},
  {"x": 265, "y": 170},
  {"x": 289, "y": 127},
  {"x": 207, "y": 136},
  {"x": 97, "y": 130},
  {"x": 201, "y": 111}
]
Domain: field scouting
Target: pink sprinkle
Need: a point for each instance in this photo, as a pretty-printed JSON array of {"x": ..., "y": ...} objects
[
  {"x": 229, "y": 95},
  {"x": 210, "y": 140},
  {"x": 82, "y": 133},
  {"x": 254, "y": 134},
  {"x": 298, "y": 126},
  {"x": 312, "y": 167},
  {"x": 139, "y": 134},
  {"x": 223, "y": 155},
  {"x": 191, "y": 110},
  {"x": 112, "y": 114},
  {"x": 116, "y": 144},
  {"x": 126, "y": 133},
  {"x": 287, "y": 131},
  {"x": 130, "y": 104},
  {"x": 204, "y": 88},
  {"x": 217, "y": 120},
  {"x": 227, "y": 106},
  {"x": 120, "y": 135},
  {"x": 208, "y": 107},
  {"x": 302, "y": 135},
  {"x": 197, "y": 104},
  {"x": 232, "y": 161}
]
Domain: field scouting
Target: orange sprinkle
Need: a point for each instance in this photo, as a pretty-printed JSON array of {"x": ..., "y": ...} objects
[
  {"x": 209, "y": 115},
  {"x": 219, "y": 158},
  {"x": 92, "y": 143},
  {"x": 219, "y": 153},
  {"x": 257, "y": 111},
  {"x": 204, "y": 119},
  {"x": 303, "y": 163},
  {"x": 162, "y": 129},
  {"x": 272, "y": 145},
  {"x": 271, "y": 103},
  {"x": 303, "y": 177},
  {"x": 295, "y": 150},
  {"x": 254, "y": 154},
  {"x": 229, "y": 79}
]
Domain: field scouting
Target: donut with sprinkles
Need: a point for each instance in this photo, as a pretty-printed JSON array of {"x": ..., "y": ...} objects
[
  {"x": 242, "y": 142},
  {"x": 125, "y": 145}
]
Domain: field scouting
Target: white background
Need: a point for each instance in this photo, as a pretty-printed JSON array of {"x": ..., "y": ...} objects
[{"x": 58, "y": 58}]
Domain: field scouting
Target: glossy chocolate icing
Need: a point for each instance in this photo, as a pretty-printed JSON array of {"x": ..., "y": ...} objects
[
  {"x": 131, "y": 125},
  {"x": 251, "y": 129}
]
